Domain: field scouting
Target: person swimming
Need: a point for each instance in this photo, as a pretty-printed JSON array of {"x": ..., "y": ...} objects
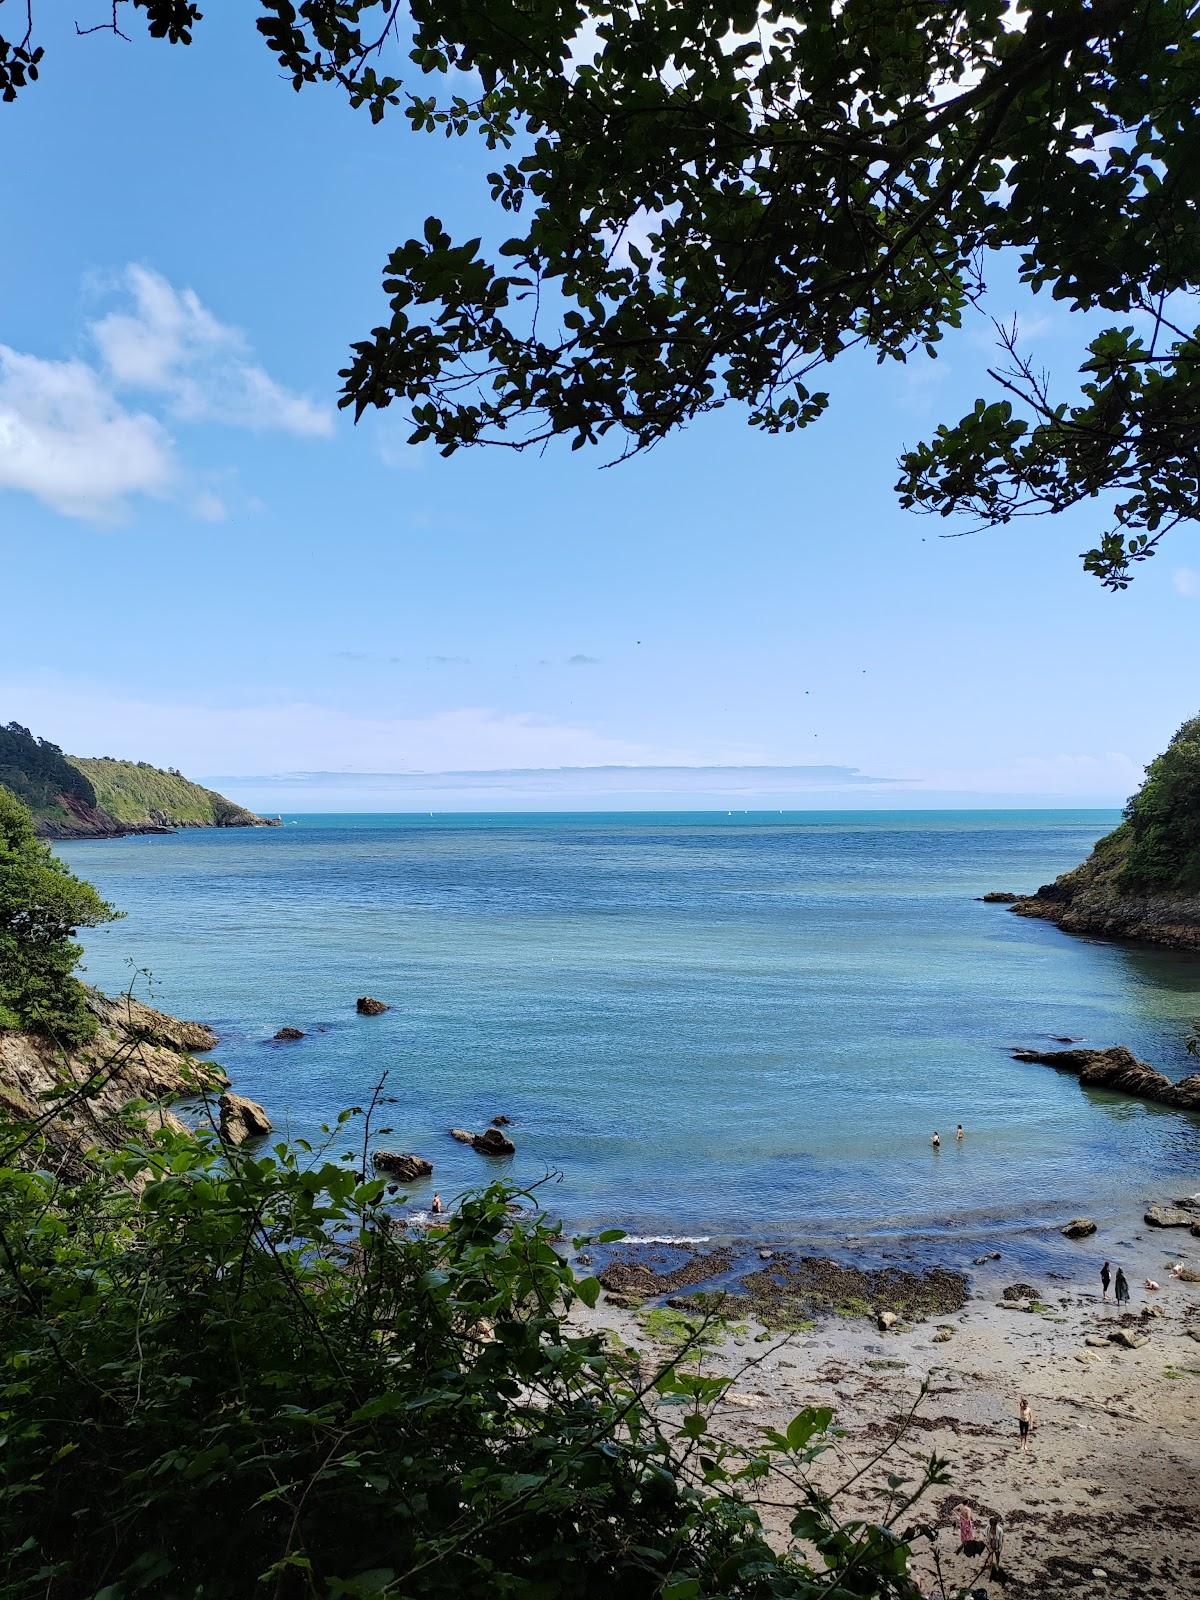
[
  {"x": 436, "y": 1206},
  {"x": 961, "y": 1132},
  {"x": 936, "y": 1141}
]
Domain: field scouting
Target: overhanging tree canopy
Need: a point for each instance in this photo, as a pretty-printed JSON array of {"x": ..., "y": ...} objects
[{"x": 711, "y": 202}]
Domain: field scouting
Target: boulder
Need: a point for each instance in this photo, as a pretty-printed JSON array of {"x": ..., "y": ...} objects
[
  {"x": 1195, "y": 1228},
  {"x": 998, "y": 897},
  {"x": 1021, "y": 1291},
  {"x": 944, "y": 1334},
  {"x": 1078, "y": 1228},
  {"x": 1164, "y": 1216},
  {"x": 491, "y": 1142},
  {"x": 368, "y": 1007},
  {"x": 1189, "y": 1275},
  {"x": 285, "y": 1034},
  {"x": 1097, "y": 1340},
  {"x": 462, "y": 1135},
  {"x": 1129, "y": 1339},
  {"x": 242, "y": 1119},
  {"x": 501, "y": 1121},
  {"x": 887, "y": 1321},
  {"x": 402, "y": 1164},
  {"x": 1120, "y": 1070}
]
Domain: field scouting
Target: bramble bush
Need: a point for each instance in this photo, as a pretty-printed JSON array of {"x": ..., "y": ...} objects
[{"x": 232, "y": 1372}]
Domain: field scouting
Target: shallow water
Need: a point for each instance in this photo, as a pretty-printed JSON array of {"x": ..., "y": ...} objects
[{"x": 705, "y": 1025}]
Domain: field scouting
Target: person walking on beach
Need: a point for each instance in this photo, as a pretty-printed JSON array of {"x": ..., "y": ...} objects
[
  {"x": 1122, "y": 1288},
  {"x": 936, "y": 1141},
  {"x": 995, "y": 1543},
  {"x": 1024, "y": 1421},
  {"x": 1105, "y": 1279}
]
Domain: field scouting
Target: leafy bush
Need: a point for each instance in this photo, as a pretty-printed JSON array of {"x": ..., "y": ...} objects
[
  {"x": 243, "y": 1379},
  {"x": 1163, "y": 818},
  {"x": 42, "y": 903}
]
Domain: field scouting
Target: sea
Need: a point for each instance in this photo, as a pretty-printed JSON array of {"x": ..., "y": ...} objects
[{"x": 703, "y": 1026}]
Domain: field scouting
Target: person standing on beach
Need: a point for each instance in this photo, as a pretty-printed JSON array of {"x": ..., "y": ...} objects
[
  {"x": 966, "y": 1527},
  {"x": 1122, "y": 1288},
  {"x": 1105, "y": 1279},
  {"x": 995, "y": 1543},
  {"x": 1025, "y": 1421}
]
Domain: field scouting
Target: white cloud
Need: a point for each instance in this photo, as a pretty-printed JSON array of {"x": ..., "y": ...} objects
[
  {"x": 66, "y": 439},
  {"x": 1186, "y": 581},
  {"x": 170, "y": 344},
  {"x": 70, "y": 438}
]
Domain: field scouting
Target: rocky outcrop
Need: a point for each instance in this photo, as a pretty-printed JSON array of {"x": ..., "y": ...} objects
[
  {"x": 138, "y": 1054},
  {"x": 285, "y": 1035},
  {"x": 402, "y": 1165},
  {"x": 366, "y": 1006},
  {"x": 998, "y": 897},
  {"x": 1120, "y": 1070},
  {"x": 491, "y": 1142},
  {"x": 1164, "y": 1216},
  {"x": 1078, "y": 1228},
  {"x": 242, "y": 1119}
]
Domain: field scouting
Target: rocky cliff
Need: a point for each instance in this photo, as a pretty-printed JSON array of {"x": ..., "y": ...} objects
[
  {"x": 137, "y": 1055},
  {"x": 1142, "y": 881},
  {"x": 99, "y": 797}
]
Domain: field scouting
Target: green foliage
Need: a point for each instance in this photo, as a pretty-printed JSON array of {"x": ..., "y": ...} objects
[
  {"x": 697, "y": 203},
  {"x": 1162, "y": 820},
  {"x": 38, "y": 773},
  {"x": 244, "y": 1380},
  {"x": 134, "y": 792},
  {"x": 42, "y": 903}
]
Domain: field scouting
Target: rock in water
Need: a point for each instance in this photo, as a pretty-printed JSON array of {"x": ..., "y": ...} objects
[
  {"x": 242, "y": 1119},
  {"x": 491, "y": 1142},
  {"x": 462, "y": 1136},
  {"x": 403, "y": 1165},
  {"x": 1078, "y": 1228},
  {"x": 999, "y": 897},
  {"x": 289, "y": 1033},
  {"x": 368, "y": 1007},
  {"x": 1119, "y": 1069},
  {"x": 501, "y": 1121},
  {"x": 1169, "y": 1217}
]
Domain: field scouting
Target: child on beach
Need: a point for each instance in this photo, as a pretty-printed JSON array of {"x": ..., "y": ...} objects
[
  {"x": 966, "y": 1528},
  {"x": 1024, "y": 1421}
]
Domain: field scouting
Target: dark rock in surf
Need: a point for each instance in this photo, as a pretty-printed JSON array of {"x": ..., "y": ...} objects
[
  {"x": 1078, "y": 1228},
  {"x": 1169, "y": 1217},
  {"x": 242, "y": 1119},
  {"x": 462, "y": 1135},
  {"x": 368, "y": 1007},
  {"x": 501, "y": 1121},
  {"x": 491, "y": 1142},
  {"x": 402, "y": 1165},
  {"x": 1120, "y": 1070},
  {"x": 285, "y": 1034},
  {"x": 998, "y": 897}
]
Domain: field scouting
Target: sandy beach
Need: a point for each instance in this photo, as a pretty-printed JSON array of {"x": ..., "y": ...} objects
[{"x": 1105, "y": 1502}]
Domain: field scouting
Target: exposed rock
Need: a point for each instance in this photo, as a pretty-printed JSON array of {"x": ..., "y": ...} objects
[
  {"x": 368, "y": 1007},
  {"x": 1098, "y": 1340},
  {"x": 1195, "y": 1229},
  {"x": 1189, "y": 1275},
  {"x": 1022, "y": 1304},
  {"x": 1120, "y": 1070},
  {"x": 1127, "y": 1338},
  {"x": 491, "y": 1142},
  {"x": 992, "y": 1255},
  {"x": 130, "y": 1058},
  {"x": 242, "y": 1119},
  {"x": 461, "y": 1135},
  {"x": 402, "y": 1165},
  {"x": 501, "y": 1121},
  {"x": 1078, "y": 1228},
  {"x": 887, "y": 1320},
  {"x": 998, "y": 897},
  {"x": 1155, "y": 1310},
  {"x": 285, "y": 1034},
  {"x": 1164, "y": 1216},
  {"x": 1021, "y": 1291},
  {"x": 943, "y": 1335}
]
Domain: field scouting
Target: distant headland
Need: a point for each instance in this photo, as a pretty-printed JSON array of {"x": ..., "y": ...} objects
[{"x": 86, "y": 797}]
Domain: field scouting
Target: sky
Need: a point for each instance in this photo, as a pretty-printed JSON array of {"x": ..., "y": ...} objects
[{"x": 206, "y": 565}]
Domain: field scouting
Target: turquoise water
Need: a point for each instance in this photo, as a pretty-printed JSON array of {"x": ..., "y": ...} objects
[{"x": 702, "y": 1024}]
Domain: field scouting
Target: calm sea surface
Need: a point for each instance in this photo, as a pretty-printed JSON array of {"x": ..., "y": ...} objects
[{"x": 706, "y": 1024}]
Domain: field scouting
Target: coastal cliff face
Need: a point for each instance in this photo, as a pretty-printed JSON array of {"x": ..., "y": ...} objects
[
  {"x": 99, "y": 797},
  {"x": 1142, "y": 881},
  {"x": 137, "y": 1054}
]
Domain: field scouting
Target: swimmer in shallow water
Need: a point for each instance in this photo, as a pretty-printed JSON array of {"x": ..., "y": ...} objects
[
  {"x": 936, "y": 1141},
  {"x": 961, "y": 1132},
  {"x": 436, "y": 1207}
]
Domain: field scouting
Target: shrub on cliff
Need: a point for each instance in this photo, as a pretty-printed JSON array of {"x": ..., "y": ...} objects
[
  {"x": 1162, "y": 820},
  {"x": 42, "y": 903},
  {"x": 243, "y": 1381}
]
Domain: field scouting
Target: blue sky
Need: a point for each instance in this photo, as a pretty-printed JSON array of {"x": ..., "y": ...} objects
[{"x": 206, "y": 566}]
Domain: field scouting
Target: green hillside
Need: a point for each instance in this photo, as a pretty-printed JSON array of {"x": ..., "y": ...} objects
[
  {"x": 135, "y": 794},
  {"x": 38, "y": 773}
]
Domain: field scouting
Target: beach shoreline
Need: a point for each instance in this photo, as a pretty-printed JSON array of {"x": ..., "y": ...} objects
[{"x": 1104, "y": 1501}]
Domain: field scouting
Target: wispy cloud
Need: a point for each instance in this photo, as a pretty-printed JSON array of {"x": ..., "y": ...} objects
[
  {"x": 583, "y": 661},
  {"x": 1186, "y": 581},
  {"x": 71, "y": 436}
]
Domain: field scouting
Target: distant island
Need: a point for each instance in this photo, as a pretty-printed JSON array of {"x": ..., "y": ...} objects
[
  {"x": 1142, "y": 881},
  {"x": 99, "y": 797}
]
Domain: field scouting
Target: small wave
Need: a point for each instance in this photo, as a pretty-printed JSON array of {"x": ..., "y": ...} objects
[{"x": 667, "y": 1238}]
